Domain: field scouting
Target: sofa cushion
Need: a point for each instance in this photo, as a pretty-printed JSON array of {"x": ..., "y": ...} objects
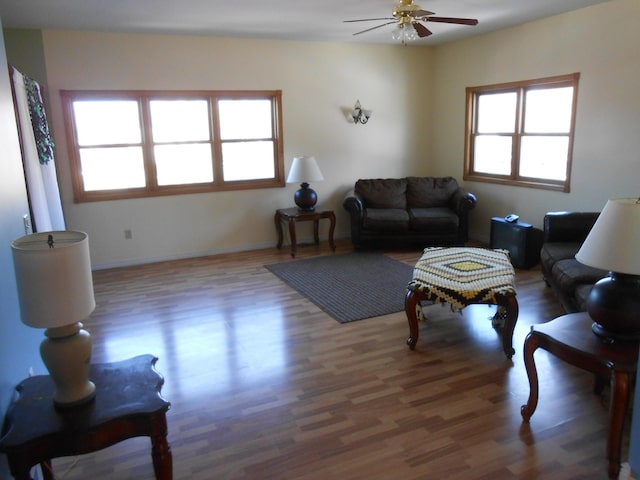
[
  {"x": 383, "y": 193},
  {"x": 386, "y": 219},
  {"x": 570, "y": 273},
  {"x": 553, "y": 252},
  {"x": 427, "y": 192},
  {"x": 436, "y": 220}
]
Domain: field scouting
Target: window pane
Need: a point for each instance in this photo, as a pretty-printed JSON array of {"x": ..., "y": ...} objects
[
  {"x": 544, "y": 157},
  {"x": 112, "y": 168},
  {"x": 497, "y": 112},
  {"x": 179, "y": 120},
  {"x": 548, "y": 110},
  {"x": 493, "y": 154},
  {"x": 247, "y": 160},
  {"x": 245, "y": 119},
  {"x": 183, "y": 164},
  {"x": 104, "y": 122}
]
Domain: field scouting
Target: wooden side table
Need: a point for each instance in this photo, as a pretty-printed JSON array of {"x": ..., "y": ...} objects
[
  {"x": 293, "y": 215},
  {"x": 570, "y": 338},
  {"x": 127, "y": 404}
]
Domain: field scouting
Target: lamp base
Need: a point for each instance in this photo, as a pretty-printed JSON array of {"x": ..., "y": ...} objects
[
  {"x": 610, "y": 335},
  {"x": 66, "y": 352},
  {"x": 614, "y": 306},
  {"x": 305, "y": 198}
]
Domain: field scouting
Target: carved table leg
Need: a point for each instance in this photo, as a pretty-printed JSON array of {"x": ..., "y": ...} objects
[
  {"x": 292, "y": 234},
  {"x": 531, "y": 343},
  {"x": 618, "y": 410},
  {"x": 332, "y": 227},
  {"x": 410, "y": 303},
  {"x": 511, "y": 305},
  {"x": 160, "y": 450}
]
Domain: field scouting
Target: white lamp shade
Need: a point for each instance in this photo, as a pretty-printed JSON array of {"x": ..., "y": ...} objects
[
  {"x": 55, "y": 286},
  {"x": 613, "y": 243},
  {"x": 304, "y": 169}
]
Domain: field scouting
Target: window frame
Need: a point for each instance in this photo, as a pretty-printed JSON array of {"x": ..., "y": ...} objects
[
  {"x": 152, "y": 189},
  {"x": 520, "y": 88}
]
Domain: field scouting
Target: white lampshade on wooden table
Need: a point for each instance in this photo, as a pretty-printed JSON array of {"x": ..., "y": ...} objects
[
  {"x": 305, "y": 169},
  {"x": 55, "y": 289},
  {"x": 613, "y": 244}
]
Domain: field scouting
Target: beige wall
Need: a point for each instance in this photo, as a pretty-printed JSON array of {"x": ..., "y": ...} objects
[
  {"x": 417, "y": 95},
  {"x": 320, "y": 81},
  {"x": 18, "y": 343},
  {"x": 601, "y": 42},
  {"x": 25, "y": 52}
]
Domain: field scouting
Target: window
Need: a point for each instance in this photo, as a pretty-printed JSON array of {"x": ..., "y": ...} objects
[
  {"x": 132, "y": 144},
  {"x": 522, "y": 133}
]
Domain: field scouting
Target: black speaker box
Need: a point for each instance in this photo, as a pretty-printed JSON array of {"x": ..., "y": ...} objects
[{"x": 521, "y": 239}]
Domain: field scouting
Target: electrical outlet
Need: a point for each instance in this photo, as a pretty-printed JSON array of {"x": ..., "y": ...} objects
[{"x": 128, "y": 235}]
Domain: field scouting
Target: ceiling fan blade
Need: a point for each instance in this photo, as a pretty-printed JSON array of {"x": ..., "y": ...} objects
[
  {"x": 421, "y": 13},
  {"x": 421, "y": 30},
  {"x": 373, "y": 28},
  {"x": 460, "y": 21},
  {"x": 368, "y": 19}
]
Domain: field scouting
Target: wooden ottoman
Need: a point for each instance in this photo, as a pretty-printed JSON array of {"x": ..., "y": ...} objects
[{"x": 462, "y": 276}]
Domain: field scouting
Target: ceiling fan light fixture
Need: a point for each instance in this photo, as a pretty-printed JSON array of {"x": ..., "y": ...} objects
[
  {"x": 407, "y": 17},
  {"x": 410, "y": 33},
  {"x": 404, "y": 32},
  {"x": 397, "y": 33}
]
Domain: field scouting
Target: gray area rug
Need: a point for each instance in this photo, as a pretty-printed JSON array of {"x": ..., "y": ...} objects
[{"x": 350, "y": 286}]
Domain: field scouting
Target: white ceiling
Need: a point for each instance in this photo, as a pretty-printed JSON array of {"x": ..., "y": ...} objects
[{"x": 307, "y": 20}]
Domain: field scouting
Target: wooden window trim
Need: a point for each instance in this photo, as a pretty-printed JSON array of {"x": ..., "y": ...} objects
[
  {"x": 152, "y": 189},
  {"x": 515, "y": 179}
]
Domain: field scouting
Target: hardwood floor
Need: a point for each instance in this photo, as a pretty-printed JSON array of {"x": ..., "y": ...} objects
[{"x": 264, "y": 385}]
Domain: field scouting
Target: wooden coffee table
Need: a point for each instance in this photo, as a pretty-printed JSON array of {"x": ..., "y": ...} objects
[
  {"x": 127, "y": 404},
  {"x": 463, "y": 276},
  {"x": 571, "y": 339}
]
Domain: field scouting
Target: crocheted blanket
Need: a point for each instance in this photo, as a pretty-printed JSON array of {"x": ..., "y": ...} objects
[{"x": 463, "y": 276}]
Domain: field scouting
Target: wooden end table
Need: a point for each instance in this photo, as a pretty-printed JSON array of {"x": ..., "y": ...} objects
[
  {"x": 571, "y": 339},
  {"x": 293, "y": 215},
  {"x": 463, "y": 276},
  {"x": 127, "y": 404}
]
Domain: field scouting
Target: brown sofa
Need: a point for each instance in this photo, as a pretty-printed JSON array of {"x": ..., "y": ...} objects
[
  {"x": 563, "y": 235},
  {"x": 411, "y": 211}
]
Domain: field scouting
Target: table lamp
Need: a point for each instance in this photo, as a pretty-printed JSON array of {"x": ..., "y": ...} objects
[
  {"x": 305, "y": 169},
  {"x": 55, "y": 290},
  {"x": 613, "y": 244}
]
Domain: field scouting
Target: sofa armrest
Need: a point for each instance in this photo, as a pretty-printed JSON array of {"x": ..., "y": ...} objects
[
  {"x": 568, "y": 226},
  {"x": 462, "y": 201},
  {"x": 353, "y": 203}
]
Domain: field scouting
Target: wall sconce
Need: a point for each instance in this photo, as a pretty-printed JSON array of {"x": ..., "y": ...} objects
[{"x": 359, "y": 114}]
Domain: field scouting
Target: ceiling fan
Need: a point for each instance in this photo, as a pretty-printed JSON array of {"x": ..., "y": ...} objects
[{"x": 407, "y": 17}]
